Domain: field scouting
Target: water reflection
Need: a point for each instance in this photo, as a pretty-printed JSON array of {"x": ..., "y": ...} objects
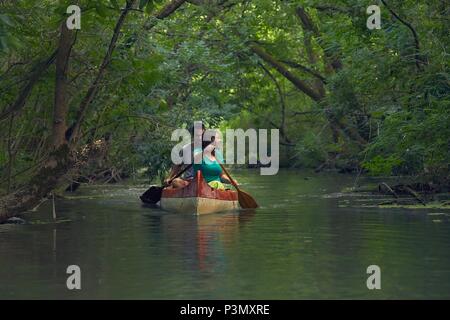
[{"x": 201, "y": 240}]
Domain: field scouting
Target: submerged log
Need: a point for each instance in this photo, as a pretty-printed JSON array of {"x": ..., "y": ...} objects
[
  {"x": 408, "y": 192},
  {"x": 385, "y": 186},
  {"x": 414, "y": 194}
]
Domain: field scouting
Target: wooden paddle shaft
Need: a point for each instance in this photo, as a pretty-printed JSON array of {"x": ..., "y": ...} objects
[
  {"x": 245, "y": 200},
  {"x": 228, "y": 175}
]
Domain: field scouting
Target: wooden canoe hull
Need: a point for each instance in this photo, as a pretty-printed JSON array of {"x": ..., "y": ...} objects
[
  {"x": 197, "y": 205},
  {"x": 198, "y": 198}
]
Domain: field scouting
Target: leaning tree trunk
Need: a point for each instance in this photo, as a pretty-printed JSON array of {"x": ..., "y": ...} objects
[{"x": 59, "y": 161}]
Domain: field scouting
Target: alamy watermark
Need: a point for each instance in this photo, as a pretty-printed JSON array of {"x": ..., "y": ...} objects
[
  {"x": 235, "y": 142},
  {"x": 74, "y": 20},
  {"x": 374, "y": 280},
  {"x": 73, "y": 281},
  {"x": 374, "y": 20}
]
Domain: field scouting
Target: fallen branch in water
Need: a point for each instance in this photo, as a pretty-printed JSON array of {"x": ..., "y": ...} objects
[
  {"x": 414, "y": 194},
  {"x": 388, "y": 188}
]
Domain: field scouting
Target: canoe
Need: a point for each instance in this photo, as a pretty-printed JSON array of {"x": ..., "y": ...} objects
[{"x": 198, "y": 198}]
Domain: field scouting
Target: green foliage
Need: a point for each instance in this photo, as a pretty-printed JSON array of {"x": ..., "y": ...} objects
[
  {"x": 382, "y": 166},
  {"x": 198, "y": 64},
  {"x": 311, "y": 150},
  {"x": 7, "y": 40}
]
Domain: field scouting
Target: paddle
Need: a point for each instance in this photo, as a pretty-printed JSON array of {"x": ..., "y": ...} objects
[
  {"x": 153, "y": 194},
  {"x": 246, "y": 201}
]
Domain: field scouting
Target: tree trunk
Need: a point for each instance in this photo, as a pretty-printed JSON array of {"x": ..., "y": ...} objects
[
  {"x": 59, "y": 160},
  {"x": 331, "y": 61},
  {"x": 298, "y": 83},
  {"x": 418, "y": 58},
  {"x": 92, "y": 91},
  {"x": 61, "y": 104},
  {"x": 308, "y": 31}
]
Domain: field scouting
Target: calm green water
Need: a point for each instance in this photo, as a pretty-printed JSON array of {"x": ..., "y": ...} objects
[{"x": 306, "y": 241}]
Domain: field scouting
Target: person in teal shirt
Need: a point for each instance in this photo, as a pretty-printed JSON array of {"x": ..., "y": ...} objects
[{"x": 209, "y": 166}]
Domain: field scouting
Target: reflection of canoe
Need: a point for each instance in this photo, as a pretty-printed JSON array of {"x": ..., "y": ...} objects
[{"x": 198, "y": 197}]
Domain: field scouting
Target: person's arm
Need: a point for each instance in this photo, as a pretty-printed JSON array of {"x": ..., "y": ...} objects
[
  {"x": 173, "y": 172},
  {"x": 224, "y": 178}
]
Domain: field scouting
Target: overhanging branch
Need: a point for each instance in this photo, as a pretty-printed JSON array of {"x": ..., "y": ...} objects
[{"x": 298, "y": 83}]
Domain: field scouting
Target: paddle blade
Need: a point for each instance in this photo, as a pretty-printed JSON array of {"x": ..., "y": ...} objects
[
  {"x": 152, "y": 195},
  {"x": 246, "y": 201}
]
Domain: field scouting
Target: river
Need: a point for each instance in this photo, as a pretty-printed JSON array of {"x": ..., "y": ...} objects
[{"x": 306, "y": 241}]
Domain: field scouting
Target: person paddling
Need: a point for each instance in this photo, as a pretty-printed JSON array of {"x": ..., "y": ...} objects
[
  {"x": 181, "y": 182},
  {"x": 208, "y": 159}
]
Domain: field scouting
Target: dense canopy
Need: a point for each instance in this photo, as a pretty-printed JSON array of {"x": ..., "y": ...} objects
[{"x": 102, "y": 101}]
